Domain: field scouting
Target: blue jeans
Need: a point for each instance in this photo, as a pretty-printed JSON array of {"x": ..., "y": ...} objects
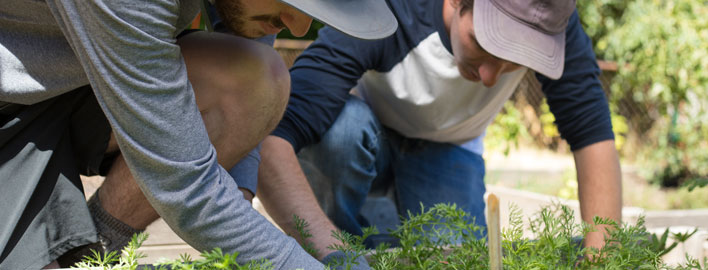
[{"x": 358, "y": 156}]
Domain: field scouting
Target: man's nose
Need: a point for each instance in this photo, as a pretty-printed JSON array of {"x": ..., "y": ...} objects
[{"x": 297, "y": 22}]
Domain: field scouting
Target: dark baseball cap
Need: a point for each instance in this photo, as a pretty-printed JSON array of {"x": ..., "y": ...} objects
[
  {"x": 365, "y": 19},
  {"x": 527, "y": 32}
]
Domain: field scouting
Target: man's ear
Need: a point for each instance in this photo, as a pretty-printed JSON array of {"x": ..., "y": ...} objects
[{"x": 455, "y": 4}]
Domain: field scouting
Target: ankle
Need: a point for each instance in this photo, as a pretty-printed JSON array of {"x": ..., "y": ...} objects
[{"x": 113, "y": 233}]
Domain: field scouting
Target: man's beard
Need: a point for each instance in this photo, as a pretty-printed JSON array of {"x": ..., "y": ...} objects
[{"x": 231, "y": 13}]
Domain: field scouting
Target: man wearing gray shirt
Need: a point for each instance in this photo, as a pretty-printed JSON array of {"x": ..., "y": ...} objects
[{"x": 91, "y": 87}]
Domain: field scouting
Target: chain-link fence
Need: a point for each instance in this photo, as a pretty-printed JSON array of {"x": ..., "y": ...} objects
[{"x": 528, "y": 99}]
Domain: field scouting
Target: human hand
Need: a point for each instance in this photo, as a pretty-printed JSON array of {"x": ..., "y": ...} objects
[
  {"x": 339, "y": 260},
  {"x": 595, "y": 239}
]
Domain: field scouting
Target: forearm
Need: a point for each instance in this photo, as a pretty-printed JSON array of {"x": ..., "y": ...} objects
[
  {"x": 599, "y": 186},
  {"x": 284, "y": 191}
]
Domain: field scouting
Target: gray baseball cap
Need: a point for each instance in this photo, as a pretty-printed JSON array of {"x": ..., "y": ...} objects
[
  {"x": 527, "y": 32},
  {"x": 365, "y": 19}
]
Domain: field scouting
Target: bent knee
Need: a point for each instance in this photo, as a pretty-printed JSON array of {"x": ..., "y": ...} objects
[
  {"x": 356, "y": 126},
  {"x": 241, "y": 88},
  {"x": 259, "y": 74},
  {"x": 262, "y": 85},
  {"x": 225, "y": 69}
]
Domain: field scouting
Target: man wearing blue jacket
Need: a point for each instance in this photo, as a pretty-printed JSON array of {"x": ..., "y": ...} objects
[
  {"x": 110, "y": 87},
  {"x": 423, "y": 99}
]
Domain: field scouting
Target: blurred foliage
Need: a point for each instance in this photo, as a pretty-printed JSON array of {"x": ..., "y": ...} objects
[
  {"x": 661, "y": 48},
  {"x": 569, "y": 190},
  {"x": 599, "y": 17},
  {"x": 661, "y": 51},
  {"x": 620, "y": 127},
  {"x": 507, "y": 130},
  {"x": 547, "y": 121}
]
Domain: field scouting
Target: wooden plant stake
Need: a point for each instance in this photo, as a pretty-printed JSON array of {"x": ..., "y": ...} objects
[{"x": 493, "y": 233}]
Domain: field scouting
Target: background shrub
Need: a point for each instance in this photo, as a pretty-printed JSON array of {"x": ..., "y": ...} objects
[{"x": 661, "y": 50}]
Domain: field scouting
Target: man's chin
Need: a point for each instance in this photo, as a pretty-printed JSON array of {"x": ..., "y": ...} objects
[{"x": 256, "y": 35}]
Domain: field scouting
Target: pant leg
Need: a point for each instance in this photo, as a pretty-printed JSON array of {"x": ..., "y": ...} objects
[
  {"x": 43, "y": 148},
  {"x": 245, "y": 172},
  {"x": 430, "y": 173},
  {"x": 343, "y": 165}
]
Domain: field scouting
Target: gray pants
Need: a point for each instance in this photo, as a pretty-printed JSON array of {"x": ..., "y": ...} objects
[{"x": 43, "y": 149}]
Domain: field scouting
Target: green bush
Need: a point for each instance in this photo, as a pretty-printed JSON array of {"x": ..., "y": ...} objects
[
  {"x": 661, "y": 49},
  {"x": 599, "y": 17}
]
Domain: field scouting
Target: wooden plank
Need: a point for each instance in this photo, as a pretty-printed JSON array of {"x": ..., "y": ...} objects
[
  {"x": 494, "y": 233},
  {"x": 607, "y": 65}
]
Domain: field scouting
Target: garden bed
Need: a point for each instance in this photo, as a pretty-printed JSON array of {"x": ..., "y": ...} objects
[
  {"x": 163, "y": 243},
  {"x": 442, "y": 238}
]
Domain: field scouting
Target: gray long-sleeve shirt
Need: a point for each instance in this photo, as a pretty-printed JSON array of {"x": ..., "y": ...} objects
[{"x": 126, "y": 50}]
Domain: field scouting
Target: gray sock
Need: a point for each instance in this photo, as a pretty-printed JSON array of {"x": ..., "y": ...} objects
[{"x": 113, "y": 233}]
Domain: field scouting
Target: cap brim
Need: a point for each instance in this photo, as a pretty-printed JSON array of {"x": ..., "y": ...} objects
[
  {"x": 506, "y": 38},
  {"x": 364, "y": 19}
]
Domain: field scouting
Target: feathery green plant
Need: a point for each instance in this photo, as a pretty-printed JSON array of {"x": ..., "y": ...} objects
[
  {"x": 442, "y": 237},
  {"x": 301, "y": 225},
  {"x": 128, "y": 260}
]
